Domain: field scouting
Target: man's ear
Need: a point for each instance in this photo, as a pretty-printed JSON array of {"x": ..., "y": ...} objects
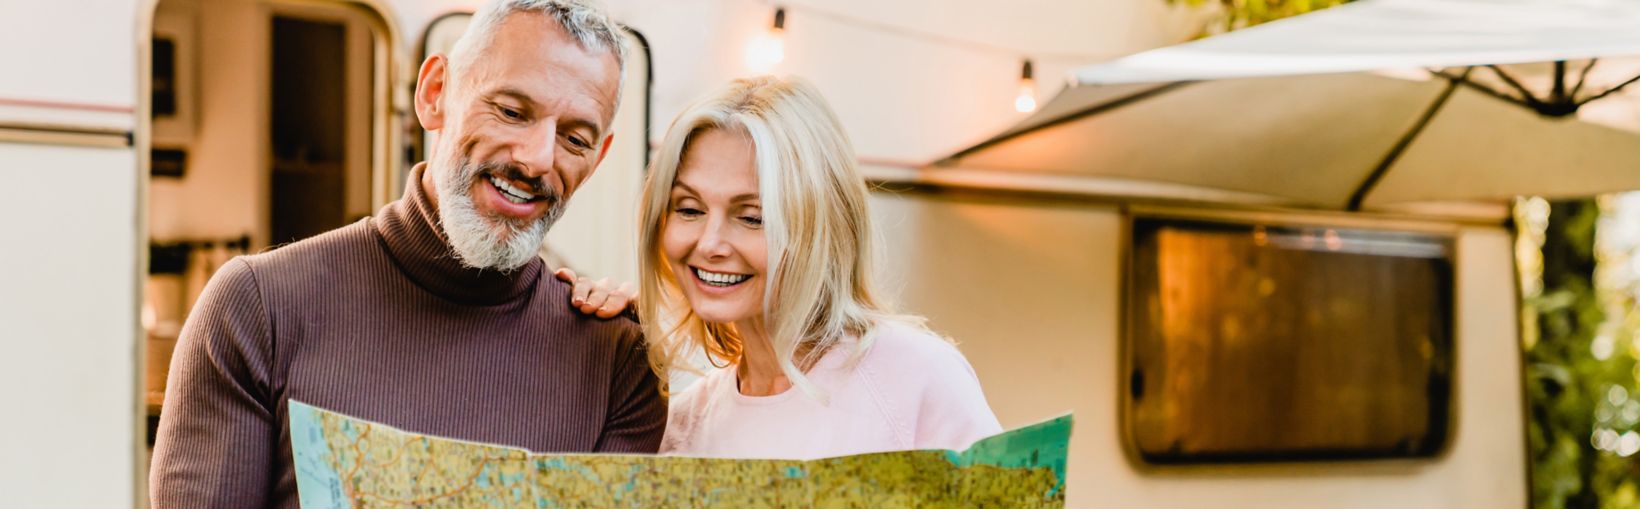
[
  {"x": 604, "y": 150},
  {"x": 430, "y": 92}
]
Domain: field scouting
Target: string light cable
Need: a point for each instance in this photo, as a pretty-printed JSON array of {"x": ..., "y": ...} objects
[{"x": 767, "y": 50}]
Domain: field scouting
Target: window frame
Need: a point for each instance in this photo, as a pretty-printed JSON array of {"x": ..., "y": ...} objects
[{"x": 1444, "y": 232}]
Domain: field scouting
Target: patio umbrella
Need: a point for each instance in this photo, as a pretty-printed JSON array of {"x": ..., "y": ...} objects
[{"x": 1371, "y": 105}]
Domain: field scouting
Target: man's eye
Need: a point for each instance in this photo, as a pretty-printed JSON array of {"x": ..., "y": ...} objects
[
  {"x": 578, "y": 142},
  {"x": 511, "y": 113}
]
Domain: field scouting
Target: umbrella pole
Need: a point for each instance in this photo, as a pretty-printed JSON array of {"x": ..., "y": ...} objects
[
  {"x": 1405, "y": 141},
  {"x": 1559, "y": 92}
]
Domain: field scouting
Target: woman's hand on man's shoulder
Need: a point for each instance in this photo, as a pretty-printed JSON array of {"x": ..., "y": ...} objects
[{"x": 602, "y": 298}]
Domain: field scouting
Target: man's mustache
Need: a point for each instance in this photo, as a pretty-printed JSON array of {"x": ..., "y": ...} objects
[{"x": 515, "y": 173}]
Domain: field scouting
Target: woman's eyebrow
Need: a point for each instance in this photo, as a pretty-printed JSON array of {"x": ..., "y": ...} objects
[{"x": 739, "y": 198}]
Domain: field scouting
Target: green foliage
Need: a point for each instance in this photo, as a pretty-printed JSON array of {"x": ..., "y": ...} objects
[
  {"x": 1580, "y": 371},
  {"x": 1235, "y": 14}
]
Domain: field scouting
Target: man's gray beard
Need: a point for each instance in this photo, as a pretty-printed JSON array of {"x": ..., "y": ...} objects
[{"x": 474, "y": 238}]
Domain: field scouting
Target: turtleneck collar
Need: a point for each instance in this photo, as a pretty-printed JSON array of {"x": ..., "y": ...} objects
[{"x": 410, "y": 229}]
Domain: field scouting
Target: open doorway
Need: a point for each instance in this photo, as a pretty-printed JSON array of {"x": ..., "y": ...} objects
[
  {"x": 268, "y": 125},
  {"x": 320, "y": 177}
]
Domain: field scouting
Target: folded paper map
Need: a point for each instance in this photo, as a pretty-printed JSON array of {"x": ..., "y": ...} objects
[{"x": 344, "y": 462}]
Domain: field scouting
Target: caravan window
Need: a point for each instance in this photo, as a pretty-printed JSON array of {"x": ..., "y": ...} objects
[{"x": 1249, "y": 342}]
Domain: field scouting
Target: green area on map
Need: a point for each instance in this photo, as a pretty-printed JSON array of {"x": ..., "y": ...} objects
[{"x": 344, "y": 462}]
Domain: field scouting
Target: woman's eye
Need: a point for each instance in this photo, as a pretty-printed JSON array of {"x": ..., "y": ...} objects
[
  {"x": 689, "y": 212},
  {"x": 752, "y": 220}
]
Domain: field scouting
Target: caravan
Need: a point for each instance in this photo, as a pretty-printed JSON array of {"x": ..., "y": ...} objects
[{"x": 145, "y": 141}]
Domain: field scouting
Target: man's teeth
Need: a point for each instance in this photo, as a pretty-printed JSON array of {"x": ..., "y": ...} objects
[
  {"x": 511, "y": 192},
  {"x": 719, "y": 279}
]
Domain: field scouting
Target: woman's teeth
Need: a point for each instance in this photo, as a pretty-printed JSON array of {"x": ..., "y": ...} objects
[
  {"x": 510, "y": 192},
  {"x": 720, "y": 279}
]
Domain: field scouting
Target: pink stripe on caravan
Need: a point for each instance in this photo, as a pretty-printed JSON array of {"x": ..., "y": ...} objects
[{"x": 63, "y": 105}]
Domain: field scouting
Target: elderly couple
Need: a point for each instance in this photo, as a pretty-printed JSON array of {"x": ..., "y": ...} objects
[{"x": 436, "y": 315}]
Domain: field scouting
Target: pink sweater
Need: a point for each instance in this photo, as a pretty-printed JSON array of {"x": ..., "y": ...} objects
[{"x": 911, "y": 390}]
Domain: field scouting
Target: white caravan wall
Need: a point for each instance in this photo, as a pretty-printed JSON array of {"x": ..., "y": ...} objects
[
  {"x": 902, "y": 99},
  {"x": 78, "y": 52},
  {"x": 68, "y": 259},
  {"x": 67, "y": 326},
  {"x": 1031, "y": 294}
]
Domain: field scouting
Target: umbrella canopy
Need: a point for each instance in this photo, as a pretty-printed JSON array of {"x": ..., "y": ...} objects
[{"x": 1369, "y": 105}]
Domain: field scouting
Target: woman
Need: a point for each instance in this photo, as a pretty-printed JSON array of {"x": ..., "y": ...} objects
[{"x": 757, "y": 248}]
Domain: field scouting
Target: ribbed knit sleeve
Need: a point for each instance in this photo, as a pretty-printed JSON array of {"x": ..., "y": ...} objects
[
  {"x": 637, "y": 412},
  {"x": 216, "y": 437}
]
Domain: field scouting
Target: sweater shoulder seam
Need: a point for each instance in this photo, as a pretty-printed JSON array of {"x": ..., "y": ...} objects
[{"x": 868, "y": 376}]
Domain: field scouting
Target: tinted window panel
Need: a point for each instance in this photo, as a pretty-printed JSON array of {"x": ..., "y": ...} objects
[{"x": 1266, "y": 343}]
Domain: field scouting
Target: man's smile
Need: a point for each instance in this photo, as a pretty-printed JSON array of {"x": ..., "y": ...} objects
[
  {"x": 511, "y": 192},
  {"x": 510, "y": 198}
]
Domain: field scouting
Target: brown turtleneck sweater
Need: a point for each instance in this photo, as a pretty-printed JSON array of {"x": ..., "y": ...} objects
[{"x": 378, "y": 320}]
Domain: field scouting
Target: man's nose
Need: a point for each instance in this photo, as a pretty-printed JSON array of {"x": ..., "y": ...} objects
[{"x": 535, "y": 151}]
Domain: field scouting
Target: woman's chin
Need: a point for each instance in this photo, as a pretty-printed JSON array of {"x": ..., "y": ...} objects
[{"x": 719, "y": 315}]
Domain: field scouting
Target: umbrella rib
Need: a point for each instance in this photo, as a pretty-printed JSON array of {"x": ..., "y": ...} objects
[
  {"x": 1582, "y": 78},
  {"x": 1609, "y": 91},
  {"x": 1483, "y": 89},
  {"x": 1400, "y": 147},
  {"x": 1525, "y": 94},
  {"x": 1096, "y": 109}
]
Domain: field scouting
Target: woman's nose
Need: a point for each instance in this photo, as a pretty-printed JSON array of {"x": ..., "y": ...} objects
[{"x": 712, "y": 242}]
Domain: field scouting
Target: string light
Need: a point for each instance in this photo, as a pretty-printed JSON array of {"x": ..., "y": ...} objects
[
  {"x": 768, "y": 49},
  {"x": 929, "y": 37},
  {"x": 1025, "y": 102}
]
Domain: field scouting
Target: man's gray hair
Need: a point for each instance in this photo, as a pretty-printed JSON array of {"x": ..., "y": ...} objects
[{"x": 585, "y": 20}]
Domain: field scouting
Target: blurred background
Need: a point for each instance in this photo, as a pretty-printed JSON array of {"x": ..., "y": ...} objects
[{"x": 1271, "y": 253}]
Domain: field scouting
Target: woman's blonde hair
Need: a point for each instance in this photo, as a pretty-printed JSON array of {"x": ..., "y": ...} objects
[{"x": 821, "y": 246}]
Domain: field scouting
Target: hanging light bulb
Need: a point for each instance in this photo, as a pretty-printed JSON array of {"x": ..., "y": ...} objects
[
  {"x": 1025, "y": 102},
  {"x": 769, "y": 48}
]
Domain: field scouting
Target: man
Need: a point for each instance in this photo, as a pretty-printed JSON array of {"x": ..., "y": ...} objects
[{"x": 435, "y": 315}]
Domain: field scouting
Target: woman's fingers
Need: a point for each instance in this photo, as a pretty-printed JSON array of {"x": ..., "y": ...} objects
[
  {"x": 598, "y": 295},
  {"x": 565, "y": 274},
  {"x": 601, "y": 298},
  {"x": 579, "y": 287},
  {"x": 618, "y": 300},
  {"x": 578, "y": 293}
]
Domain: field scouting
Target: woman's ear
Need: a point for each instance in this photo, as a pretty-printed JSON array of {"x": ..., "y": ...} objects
[{"x": 430, "y": 92}]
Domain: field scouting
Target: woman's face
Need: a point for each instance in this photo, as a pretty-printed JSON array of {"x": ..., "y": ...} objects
[{"x": 714, "y": 231}]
